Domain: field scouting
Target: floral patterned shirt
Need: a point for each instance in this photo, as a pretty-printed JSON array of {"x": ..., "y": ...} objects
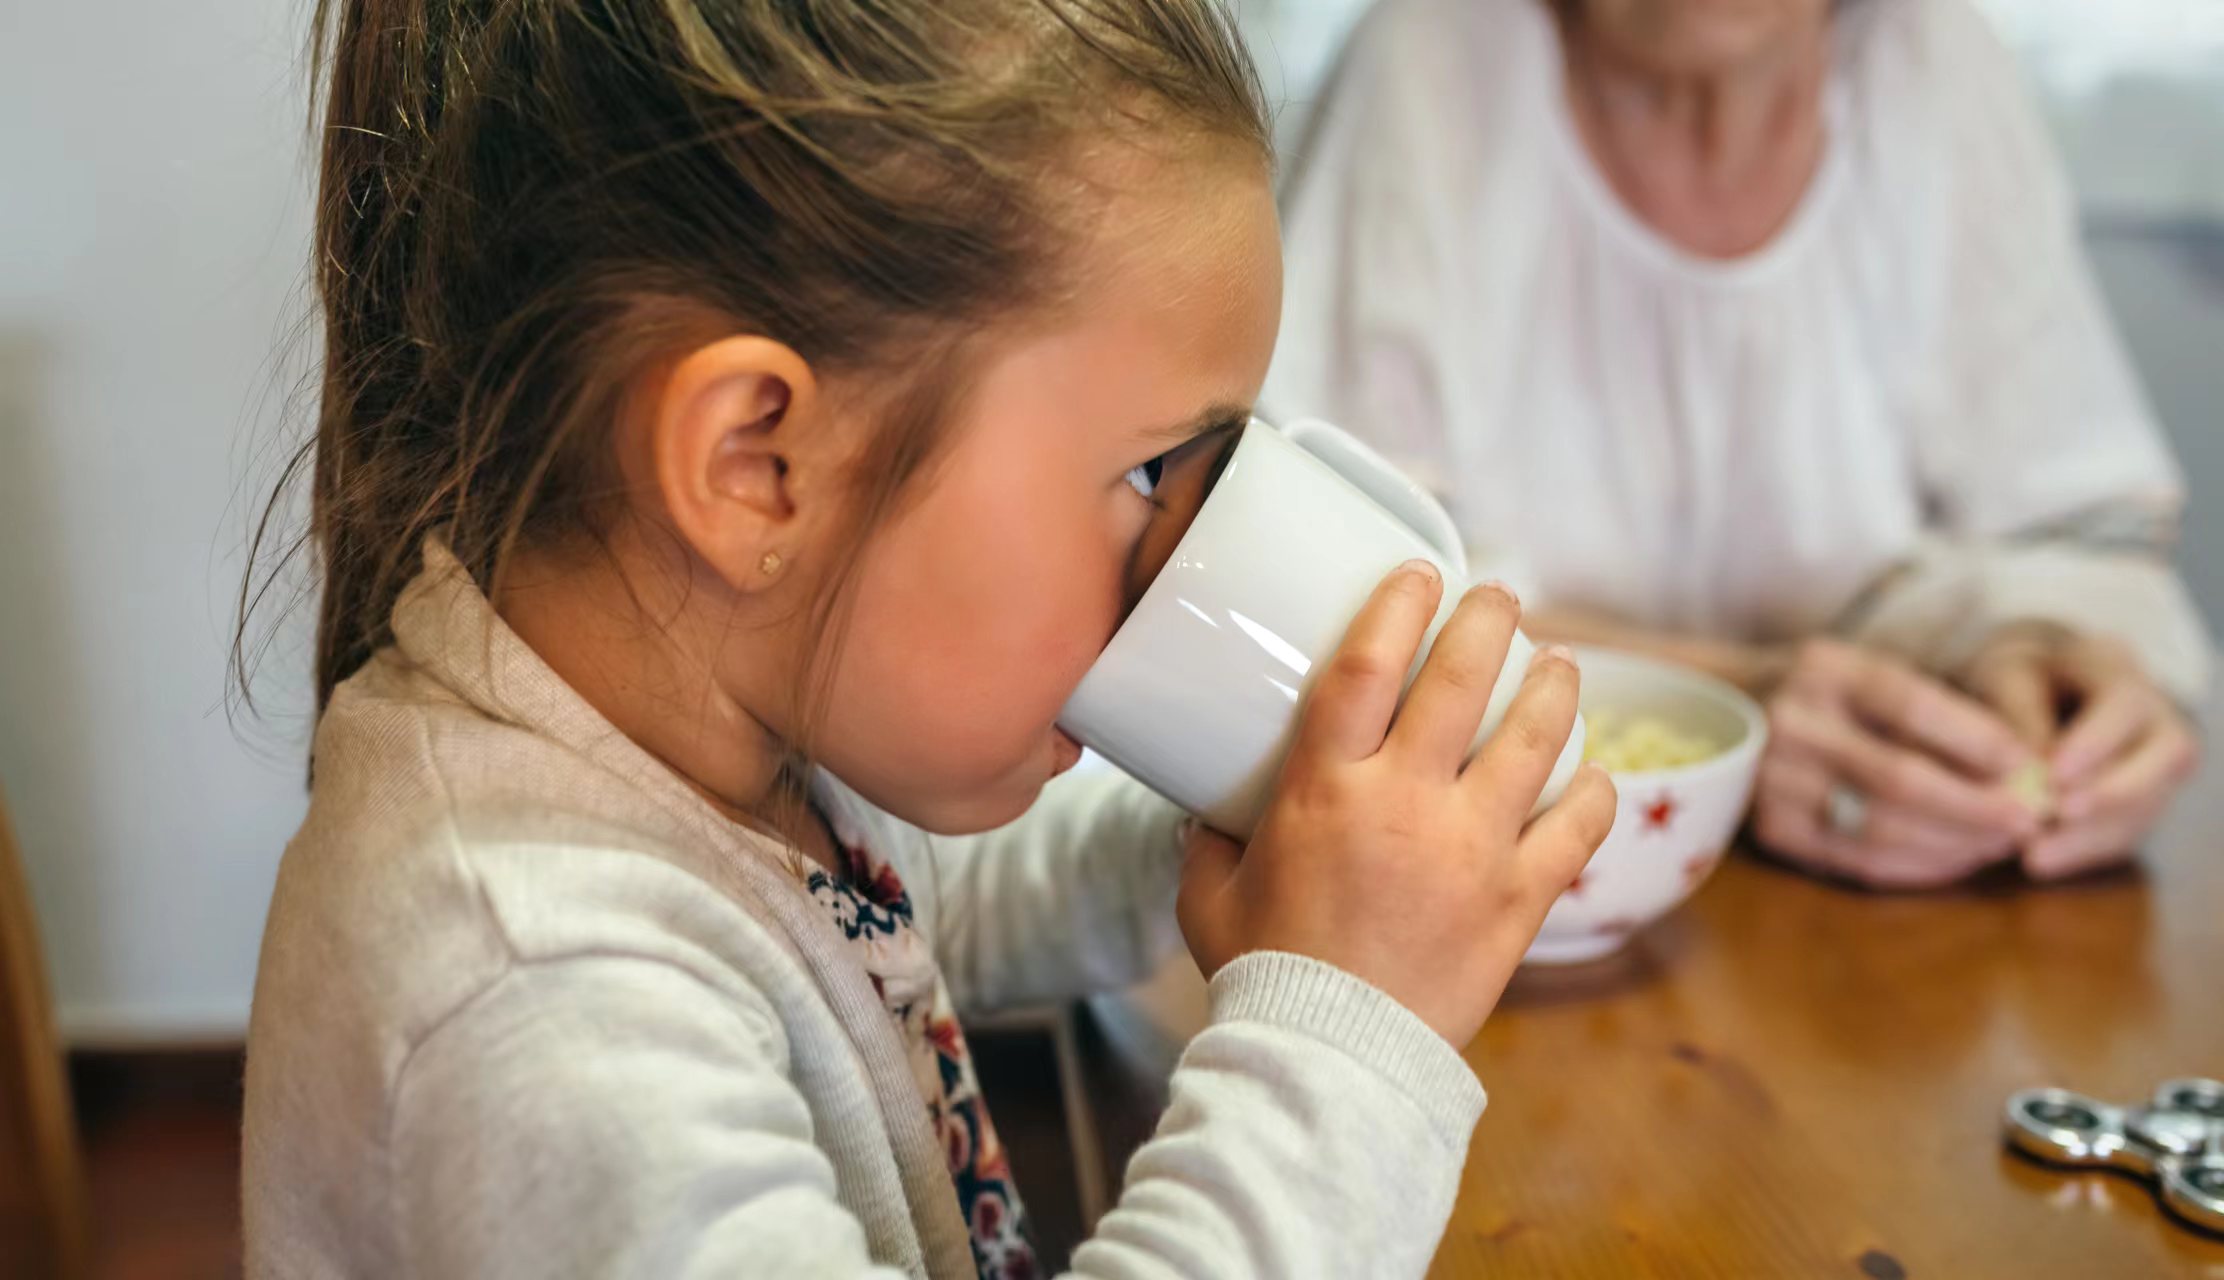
[{"x": 874, "y": 912}]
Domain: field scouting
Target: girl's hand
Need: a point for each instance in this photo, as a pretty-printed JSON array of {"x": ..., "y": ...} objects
[
  {"x": 2113, "y": 766},
  {"x": 1928, "y": 766},
  {"x": 1381, "y": 854}
]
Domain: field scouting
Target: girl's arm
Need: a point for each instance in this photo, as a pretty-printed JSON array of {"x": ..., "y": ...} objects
[
  {"x": 1075, "y": 897},
  {"x": 613, "y": 1115}
]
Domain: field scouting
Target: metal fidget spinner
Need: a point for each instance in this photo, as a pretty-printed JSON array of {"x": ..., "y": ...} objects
[{"x": 2176, "y": 1140}]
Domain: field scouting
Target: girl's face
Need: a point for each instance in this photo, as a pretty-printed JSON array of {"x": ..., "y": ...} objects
[{"x": 981, "y": 604}]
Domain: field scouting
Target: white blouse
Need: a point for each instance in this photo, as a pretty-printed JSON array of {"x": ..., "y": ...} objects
[{"x": 1906, "y": 417}]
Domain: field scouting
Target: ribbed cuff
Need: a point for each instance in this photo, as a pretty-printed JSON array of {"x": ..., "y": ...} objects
[{"x": 1283, "y": 989}]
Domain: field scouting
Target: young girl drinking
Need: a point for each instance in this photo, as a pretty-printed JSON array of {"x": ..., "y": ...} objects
[{"x": 738, "y": 421}]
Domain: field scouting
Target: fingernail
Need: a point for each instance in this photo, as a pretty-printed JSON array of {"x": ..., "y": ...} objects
[
  {"x": 1501, "y": 588},
  {"x": 1422, "y": 569},
  {"x": 1557, "y": 653}
]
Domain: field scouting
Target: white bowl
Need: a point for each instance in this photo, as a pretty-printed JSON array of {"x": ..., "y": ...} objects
[{"x": 1673, "y": 825}]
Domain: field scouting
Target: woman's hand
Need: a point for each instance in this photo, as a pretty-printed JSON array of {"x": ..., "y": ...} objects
[
  {"x": 1918, "y": 772},
  {"x": 2116, "y": 761},
  {"x": 1384, "y": 852}
]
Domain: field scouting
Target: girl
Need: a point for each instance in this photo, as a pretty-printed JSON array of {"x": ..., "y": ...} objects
[{"x": 726, "y": 397}]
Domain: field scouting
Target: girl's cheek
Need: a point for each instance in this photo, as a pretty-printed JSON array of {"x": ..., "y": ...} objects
[
  {"x": 1090, "y": 611},
  {"x": 1074, "y": 584}
]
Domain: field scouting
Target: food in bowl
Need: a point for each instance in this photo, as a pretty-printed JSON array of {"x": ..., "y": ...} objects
[
  {"x": 1683, "y": 749},
  {"x": 2034, "y": 786},
  {"x": 1621, "y": 742}
]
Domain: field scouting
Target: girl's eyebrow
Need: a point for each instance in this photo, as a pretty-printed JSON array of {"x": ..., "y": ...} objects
[{"x": 1219, "y": 416}]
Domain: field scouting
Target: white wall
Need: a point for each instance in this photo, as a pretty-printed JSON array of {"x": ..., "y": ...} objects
[
  {"x": 2165, "y": 283},
  {"x": 152, "y": 223}
]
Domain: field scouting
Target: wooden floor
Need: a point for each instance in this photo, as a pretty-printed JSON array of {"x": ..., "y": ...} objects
[{"x": 161, "y": 1133}]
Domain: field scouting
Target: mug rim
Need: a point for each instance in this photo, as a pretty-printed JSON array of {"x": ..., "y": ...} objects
[
  {"x": 1134, "y": 611},
  {"x": 1253, "y": 425}
]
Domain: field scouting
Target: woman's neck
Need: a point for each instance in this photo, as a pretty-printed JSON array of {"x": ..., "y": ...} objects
[{"x": 1715, "y": 159}]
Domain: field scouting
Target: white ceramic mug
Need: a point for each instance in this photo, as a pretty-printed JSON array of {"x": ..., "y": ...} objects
[{"x": 1197, "y": 695}]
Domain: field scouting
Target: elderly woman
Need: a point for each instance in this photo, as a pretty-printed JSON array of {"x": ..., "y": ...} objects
[{"x": 1759, "y": 331}]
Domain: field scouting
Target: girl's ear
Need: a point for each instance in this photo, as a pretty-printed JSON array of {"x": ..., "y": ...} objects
[{"x": 738, "y": 455}]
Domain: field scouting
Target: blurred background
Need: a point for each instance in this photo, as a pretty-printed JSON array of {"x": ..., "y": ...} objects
[{"x": 153, "y": 230}]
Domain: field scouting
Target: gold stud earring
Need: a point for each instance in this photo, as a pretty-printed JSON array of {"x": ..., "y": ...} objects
[{"x": 770, "y": 565}]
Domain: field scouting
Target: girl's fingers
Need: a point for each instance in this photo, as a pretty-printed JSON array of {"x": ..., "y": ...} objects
[
  {"x": 1509, "y": 773},
  {"x": 1565, "y": 836},
  {"x": 1920, "y": 711},
  {"x": 1445, "y": 705},
  {"x": 2112, "y": 718},
  {"x": 1201, "y": 907},
  {"x": 1347, "y": 714},
  {"x": 1887, "y": 772}
]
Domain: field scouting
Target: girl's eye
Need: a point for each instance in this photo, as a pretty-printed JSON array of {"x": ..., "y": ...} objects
[{"x": 1144, "y": 479}]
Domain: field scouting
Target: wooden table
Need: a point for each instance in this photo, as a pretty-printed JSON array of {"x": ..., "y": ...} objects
[{"x": 1787, "y": 1078}]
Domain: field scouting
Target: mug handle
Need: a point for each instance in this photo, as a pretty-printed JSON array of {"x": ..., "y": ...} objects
[{"x": 1397, "y": 493}]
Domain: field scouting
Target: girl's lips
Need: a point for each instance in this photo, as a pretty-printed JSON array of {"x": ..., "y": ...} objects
[{"x": 1065, "y": 753}]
